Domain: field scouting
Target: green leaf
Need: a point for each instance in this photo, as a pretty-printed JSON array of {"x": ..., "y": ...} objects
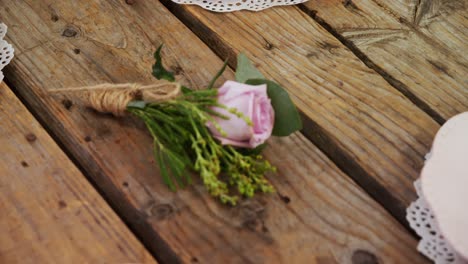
[
  {"x": 220, "y": 72},
  {"x": 176, "y": 165},
  {"x": 287, "y": 119},
  {"x": 163, "y": 168},
  {"x": 137, "y": 104},
  {"x": 185, "y": 90},
  {"x": 245, "y": 70},
  {"x": 158, "y": 69},
  {"x": 252, "y": 152}
]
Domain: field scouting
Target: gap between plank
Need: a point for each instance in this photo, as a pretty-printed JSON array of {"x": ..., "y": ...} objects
[
  {"x": 131, "y": 217},
  {"x": 312, "y": 131}
]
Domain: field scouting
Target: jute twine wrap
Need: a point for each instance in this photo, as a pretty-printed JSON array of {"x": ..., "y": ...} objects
[{"x": 114, "y": 98}]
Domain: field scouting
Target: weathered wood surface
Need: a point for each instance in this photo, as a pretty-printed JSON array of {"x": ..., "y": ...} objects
[
  {"x": 419, "y": 46},
  {"x": 50, "y": 213},
  {"x": 367, "y": 127},
  {"x": 318, "y": 215},
  {"x": 443, "y": 23}
]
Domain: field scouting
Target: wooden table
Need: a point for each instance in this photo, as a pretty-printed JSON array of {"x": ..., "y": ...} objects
[{"x": 373, "y": 79}]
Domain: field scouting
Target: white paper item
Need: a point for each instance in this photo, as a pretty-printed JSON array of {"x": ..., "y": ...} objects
[
  {"x": 432, "y": 244},
  {"x": 444, "y": 181},
  {"x": 235, "y": 5},
  {"x": 6, "y": 50},
  {"x": 439, "y": 216}
]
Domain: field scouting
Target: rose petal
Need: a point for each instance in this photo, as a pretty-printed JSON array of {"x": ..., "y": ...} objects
[
  {"x": 235, "y": 127},
  {"x": 231, "y": 89},
  {"x": 263, "y": 115},
  {"x": 226, "y": 141}
]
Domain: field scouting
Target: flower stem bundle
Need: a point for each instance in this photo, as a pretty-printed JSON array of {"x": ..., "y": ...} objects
[{"x": 183, "y": 141}]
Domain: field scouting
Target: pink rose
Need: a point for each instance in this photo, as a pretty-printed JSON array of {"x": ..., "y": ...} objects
[{"x": 253, "y": 102}]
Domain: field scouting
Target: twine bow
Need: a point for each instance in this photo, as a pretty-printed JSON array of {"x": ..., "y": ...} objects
[{"x": 114, "y": 98}]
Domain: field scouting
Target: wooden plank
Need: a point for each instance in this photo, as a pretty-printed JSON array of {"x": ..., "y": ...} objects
[
  {"x": 425, "y": 58},
  {"x": 318, "y": 215},
  {"x": 51, "y": 214},
  {"x": 369, "y": 129}
]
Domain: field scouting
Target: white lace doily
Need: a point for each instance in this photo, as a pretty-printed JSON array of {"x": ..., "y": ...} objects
[
  {"x": 6, "y": 50},
  {"x": 234, "y": 5},
  {"x": 422, "y": 221}
]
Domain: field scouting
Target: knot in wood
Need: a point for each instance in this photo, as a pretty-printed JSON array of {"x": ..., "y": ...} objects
[
  {"x": 70, "y": 32},
  {"x": 252, "y": 215},
  {"x": 161, "y": 211},
  {"x": 251, "y": 209},
  {"x": 361, "y": 256}
]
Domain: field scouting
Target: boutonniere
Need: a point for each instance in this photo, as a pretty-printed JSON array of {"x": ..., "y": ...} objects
[{"x": 218, "y": 133}]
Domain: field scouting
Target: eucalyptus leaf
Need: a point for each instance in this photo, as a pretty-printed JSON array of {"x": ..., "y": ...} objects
[
  {"x": 158, "y": 69},
  {"x": 287, "y": 118},
  {"x": 253, "y": 152},
  {"x": 245, "y": 69},
  {"x": 137, "y": 104}
]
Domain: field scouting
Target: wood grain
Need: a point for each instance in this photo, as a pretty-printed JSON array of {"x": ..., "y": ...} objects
[
  {"x": 366, "y": 126},
  {"x": 318, "y": 214},
  {"x": 51, "y": 214},
  {"x": 418, "y": 46}
]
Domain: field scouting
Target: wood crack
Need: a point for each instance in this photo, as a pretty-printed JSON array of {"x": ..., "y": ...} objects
[
  {"x": 369, "y": 36},
  {"x": 425, "y": 9},
  {"x": 417, "y": 13}
]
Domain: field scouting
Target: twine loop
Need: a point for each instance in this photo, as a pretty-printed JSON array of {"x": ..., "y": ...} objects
[{"x": 114, "y": 98}]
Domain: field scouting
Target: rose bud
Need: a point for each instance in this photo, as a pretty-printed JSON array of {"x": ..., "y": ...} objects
[{"x": 254, "y": 104}]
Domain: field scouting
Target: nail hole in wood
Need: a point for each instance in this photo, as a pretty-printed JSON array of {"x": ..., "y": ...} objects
[
  {"x": 62, "y": 204},
  {"x": 269, "y": 46},
  {"x": 67, "y": 104},
  {"x": 54, "y": 18},
  {"x": 24, "y": 164},
  {"x": 30, "y": 137},
  {"x": 285, "y": 198}
]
